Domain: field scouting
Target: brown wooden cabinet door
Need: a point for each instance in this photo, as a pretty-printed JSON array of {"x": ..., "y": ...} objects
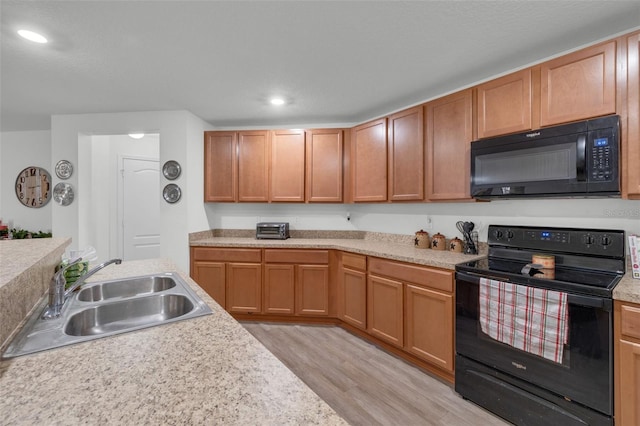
[
  {"x": 629, "y": 397},
  {"x": 211, "y": 277},
  {"x": 244, "y": 287},
  {"x": 279, "y": 289},
  {"x": 429, "y": 326},
  {"x": 504, "y": 105},
  {"x": 353, "y": 292},
  {"x": 406, "y": 155},
  {"x": 578, "y": 86},
  {"x": 369, "y": 161},
  {"x": 324, "y": 165},
  {"x": 312, "y": 290},
  {"x": 385, "y": 309},
  {"x": 449, "y": 134},
  {"x": 253, "y": 166},
  {"x": 287, "y": 165},
  {"x": 220, "y": 166},
  {"x": 632, "y": 154}
]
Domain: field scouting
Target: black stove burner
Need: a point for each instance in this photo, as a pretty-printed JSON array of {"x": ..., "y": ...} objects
[
  {"x": 565, "y": 279},
  {"x": 587, "y": 261}
]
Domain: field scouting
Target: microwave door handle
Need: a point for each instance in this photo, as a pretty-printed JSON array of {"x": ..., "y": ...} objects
[{"x": 581, "y": 158}]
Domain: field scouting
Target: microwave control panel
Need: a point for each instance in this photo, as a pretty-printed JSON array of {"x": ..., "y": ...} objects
[{"x": 602, "y": 159}]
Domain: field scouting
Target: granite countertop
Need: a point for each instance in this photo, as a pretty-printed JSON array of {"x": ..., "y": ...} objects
[
  {"x": 404, "y": 252},
  {"x": 206, "y": 370},
  {"x": 376, "y": 244}
]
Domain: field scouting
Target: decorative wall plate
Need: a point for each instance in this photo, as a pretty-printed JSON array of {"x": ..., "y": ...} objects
[
  {"x": 64, "y": 169},
  {"x": 63, "y": 194},
  {"x": 33, "y": 187},
  {"x": 171, "y": 170},
  {"x": 171, "y": 193}
]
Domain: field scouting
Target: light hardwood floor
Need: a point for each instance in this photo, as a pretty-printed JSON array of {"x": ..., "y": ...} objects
[{"x": 364, "y": 384}]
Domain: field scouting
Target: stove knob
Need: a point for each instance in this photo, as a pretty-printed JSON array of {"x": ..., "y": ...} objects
[
  {"x": 509, "y": 234},
  {"x": 498, "y": 234},
  {"x": 606, "y": 241},
  {"x": 588, "y": 240}
]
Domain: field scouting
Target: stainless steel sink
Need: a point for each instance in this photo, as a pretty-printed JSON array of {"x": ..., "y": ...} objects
[
  {"x": 127, "y": 314},
  {"x": 109, "y": 308},
  {"x": 126, "y": 287}
]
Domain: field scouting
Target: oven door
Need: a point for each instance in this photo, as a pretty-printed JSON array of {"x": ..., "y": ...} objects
[{"x": 585, "y": 374}]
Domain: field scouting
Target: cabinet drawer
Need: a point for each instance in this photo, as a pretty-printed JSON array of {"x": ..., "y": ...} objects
[
  {"x": 296, "y": 256},
  {"x": 354, "y": 261},
  {"x": 630, "y": 321},
  {"x": 433, "y": 278},
  {"x": 227, "y": 255}
]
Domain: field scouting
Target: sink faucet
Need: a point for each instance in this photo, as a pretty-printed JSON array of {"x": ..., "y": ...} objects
[{"x": 57, "y": 294}]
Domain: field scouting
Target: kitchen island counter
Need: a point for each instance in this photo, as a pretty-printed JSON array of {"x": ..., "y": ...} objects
[{"x": 206, "y": 370}]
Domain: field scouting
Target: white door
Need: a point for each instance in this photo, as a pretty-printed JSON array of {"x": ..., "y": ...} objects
[{"x": 140, "y": 209}]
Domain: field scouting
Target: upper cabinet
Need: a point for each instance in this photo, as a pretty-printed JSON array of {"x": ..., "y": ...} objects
[
  {"x": 505, "y": 104},
  {"x": 578, "y": 86},
  {"x": 406, "y": 155},
  {"x": 573, "y": 87},
  {"x": 253, "y": 166},
  {"x": 324, "y": 165},
  {"x": 287, "y": 165},
  {"x": 369, "y": 161},
  {"x": 631, "y": 137},
  {"x": 448, "y": 139},
  {"x": 274, "y": 166},
  {"x": 220, "y": 166}
]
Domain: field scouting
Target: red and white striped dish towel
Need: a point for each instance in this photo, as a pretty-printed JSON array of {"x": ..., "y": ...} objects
[{"x": 531, "y": 319}]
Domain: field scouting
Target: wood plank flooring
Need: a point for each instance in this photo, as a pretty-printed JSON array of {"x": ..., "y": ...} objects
[{"x": 364, "y": 384}]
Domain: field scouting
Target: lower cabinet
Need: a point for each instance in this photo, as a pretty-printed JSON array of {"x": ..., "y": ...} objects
[
  {"x": 300, "y": 286},
  {"x": 627, "y": 363},
  {"x": 408, "y": 306},
  {"x": 412, "y": 307},
  {"x": 384, "y": 309},
  {"x": 429, "y": 325},
  {"x": 244, "y": 287},
  {"x": 232, "y": 277},
  {"x": 352, "y": 290}
]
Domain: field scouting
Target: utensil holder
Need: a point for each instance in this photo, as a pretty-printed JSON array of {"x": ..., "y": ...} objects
[{"x": 471, "y": 243}]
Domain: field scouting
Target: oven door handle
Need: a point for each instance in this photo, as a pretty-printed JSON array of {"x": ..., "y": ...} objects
[{"x": 603, "y": 303}]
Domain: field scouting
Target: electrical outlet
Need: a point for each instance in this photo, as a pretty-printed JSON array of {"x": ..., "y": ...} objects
[{"x": 429, "y": 223}]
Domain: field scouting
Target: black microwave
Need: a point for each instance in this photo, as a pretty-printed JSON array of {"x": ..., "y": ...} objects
[{"x": 580, "y": 159}]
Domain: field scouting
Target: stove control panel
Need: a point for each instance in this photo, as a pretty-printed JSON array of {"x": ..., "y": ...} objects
[{"x": 599, "y": 242}]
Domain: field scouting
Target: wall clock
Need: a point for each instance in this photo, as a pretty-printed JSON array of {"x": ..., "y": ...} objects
[{"x": 33, "y": 187}]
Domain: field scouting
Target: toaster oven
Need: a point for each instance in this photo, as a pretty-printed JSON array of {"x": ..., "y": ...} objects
[{"x": 272, "y": 230}]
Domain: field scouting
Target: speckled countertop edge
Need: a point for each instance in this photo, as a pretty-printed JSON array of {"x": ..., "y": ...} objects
[{"x": 206, "y": 370}]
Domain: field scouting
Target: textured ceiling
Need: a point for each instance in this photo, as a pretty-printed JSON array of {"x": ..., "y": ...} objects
[{"x": 335, "y": 61}]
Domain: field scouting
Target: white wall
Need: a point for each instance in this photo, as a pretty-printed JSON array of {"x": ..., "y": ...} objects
[
  {"x": 175, "y": 128},
  {"x": 17, "y": 151},
  {"x": 401, "y": 218}
]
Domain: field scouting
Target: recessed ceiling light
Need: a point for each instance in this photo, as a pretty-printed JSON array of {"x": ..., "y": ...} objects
[
  {"x": 277, "y": 101},
  {"x": 31, "y": 36},
  {"x": 136, "y": 135}
]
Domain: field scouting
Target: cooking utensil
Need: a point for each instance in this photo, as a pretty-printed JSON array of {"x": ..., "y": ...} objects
[{"x": 466, "y": 229}]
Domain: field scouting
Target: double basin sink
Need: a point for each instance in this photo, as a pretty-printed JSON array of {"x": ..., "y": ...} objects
[{"x": 106, "y": 308}]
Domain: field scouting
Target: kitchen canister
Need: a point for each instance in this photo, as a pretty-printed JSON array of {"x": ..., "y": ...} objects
[
  {"x": 548, "y": 264},
  {"x": 422, "y": 239},
  {"x": 456, "y": 245},
  {"x": 439, "y": 242}
]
